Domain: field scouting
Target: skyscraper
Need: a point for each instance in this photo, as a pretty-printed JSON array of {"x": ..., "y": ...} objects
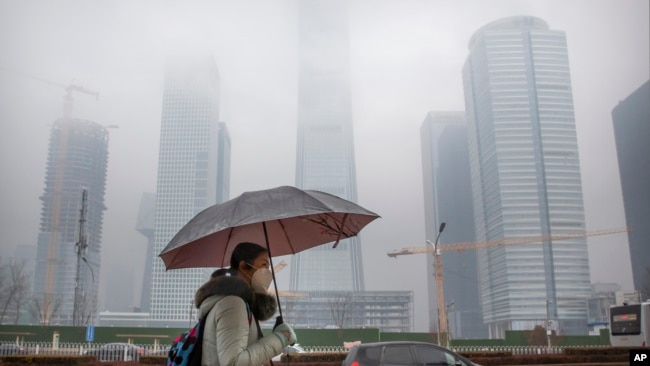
[
  {"x": 77, "y": 161},
  {"x": 191, "y": 175},
  {"x": 448, "y": 198},
  {"x": 526, "y": 176},
  {"x": 145, "y": 226},
  {"x": 325, "y": 149},
  {"x": 631, "y": 130}
]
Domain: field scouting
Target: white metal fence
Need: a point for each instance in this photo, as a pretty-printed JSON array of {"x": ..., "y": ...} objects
[
  {"x": 132, "y": 352},
  {"x": 516, "y": 350},
  {"x": 111, "y": 351},
  {"x": 103, "y": 351},
  {"x": 325, "y": 349}
]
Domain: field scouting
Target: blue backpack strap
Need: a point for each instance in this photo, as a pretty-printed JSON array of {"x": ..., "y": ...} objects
[
  {"x": 187, "y": 347},
  {"x": 197, "y": 354}
]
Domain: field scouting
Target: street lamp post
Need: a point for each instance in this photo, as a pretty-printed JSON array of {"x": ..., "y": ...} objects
[
  {"x": 439, "y": 292},
  {"x": 548, "y": 324},
  {"x": 449, "y": 305}
]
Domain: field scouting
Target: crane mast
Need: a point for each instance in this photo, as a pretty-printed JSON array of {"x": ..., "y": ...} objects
[
  {"x": 442, "y": 315},
  {"x": 440, "y": 294}
]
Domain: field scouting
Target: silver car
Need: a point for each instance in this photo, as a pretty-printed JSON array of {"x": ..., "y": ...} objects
[{"x": 403, "y": 354}]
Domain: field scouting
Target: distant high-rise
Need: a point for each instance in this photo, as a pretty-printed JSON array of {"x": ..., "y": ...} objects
[
  {"x": 526, "y": 176},
  {"x": 448, "y": 198},
  {"x": 77, "y": 161},
  {"x": 145, "y": 226},
  {"x": 192, "y": 175},
  {"x": 325, "y": 150},
  {"x": 632, "y": 129}
]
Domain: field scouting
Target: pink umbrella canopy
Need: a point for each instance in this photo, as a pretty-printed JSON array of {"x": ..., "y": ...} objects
[{"x": 286, "y": 220}]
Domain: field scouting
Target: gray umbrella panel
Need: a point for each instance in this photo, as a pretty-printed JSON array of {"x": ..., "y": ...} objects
[
  {"x": 214, "y": 250},
  {"x": 295, "y": 220}
]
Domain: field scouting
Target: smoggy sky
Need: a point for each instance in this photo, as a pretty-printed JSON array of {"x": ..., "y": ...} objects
[{"x": 406, "y": 59}]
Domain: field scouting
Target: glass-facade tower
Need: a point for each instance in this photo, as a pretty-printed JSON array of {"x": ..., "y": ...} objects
[
  {"x": 448, "y": 198},
  {"x": 631, "y": 118},
  {"x": 525, "y": 175},
  {"x": 77, "y": 161},
  {"x": 191, "y": 176},
  {"x": 325, "y": 150}
]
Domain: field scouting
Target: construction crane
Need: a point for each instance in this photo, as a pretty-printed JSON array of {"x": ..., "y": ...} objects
[
  {"x": 277, "y": 268},
  {"x": 437, "y": 250},
  {"x": 67, "y": 98},
  {"x": 62, "y": 153},
  {"x": 54, "y": 223},
  {"x": 58, "y": 177}
]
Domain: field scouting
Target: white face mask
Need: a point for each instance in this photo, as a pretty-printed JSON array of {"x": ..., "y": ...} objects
[{"x": 261, "y": 279}]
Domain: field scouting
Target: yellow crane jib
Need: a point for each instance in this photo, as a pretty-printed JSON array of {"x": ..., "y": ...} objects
[
  {"x": 470, "y": 245},
  {"x": 436, "y": 249}
]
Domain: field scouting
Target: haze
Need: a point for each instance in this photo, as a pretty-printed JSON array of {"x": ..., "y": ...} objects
[{"x": 406, "y": 60}]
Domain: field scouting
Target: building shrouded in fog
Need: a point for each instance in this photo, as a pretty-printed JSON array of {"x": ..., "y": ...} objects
[
  {"x": 525, "y": 174},
  {"x": 145, "y": 225},
  {"x": 325, "y": 162},
  {"x": 448, "y": 198},
  {"x": 632, "y": 129},
  {"x": 77, "y": 161},
  {"x": 325, "y": 148},
  {"x": 193, "y": 173}
]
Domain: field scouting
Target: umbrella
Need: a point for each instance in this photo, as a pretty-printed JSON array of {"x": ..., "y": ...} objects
[{"x": 287, "y": 219}]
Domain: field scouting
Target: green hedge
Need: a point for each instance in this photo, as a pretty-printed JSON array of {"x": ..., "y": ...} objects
[
  {"x": 306, "y": 337},
  {"x": 334, "y": 337},
  {"x": 36, "y": 333},
  {"x": 413, "y": 337}
]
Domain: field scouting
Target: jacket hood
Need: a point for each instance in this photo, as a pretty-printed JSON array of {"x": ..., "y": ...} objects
[{"x": 263, "y": 306}]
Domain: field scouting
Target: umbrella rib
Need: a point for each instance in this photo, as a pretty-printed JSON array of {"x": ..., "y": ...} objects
[
  {"x": 225, "y": 247},
  {"x": 339, "y": 229},
  {"x": 286, "y": 236}
]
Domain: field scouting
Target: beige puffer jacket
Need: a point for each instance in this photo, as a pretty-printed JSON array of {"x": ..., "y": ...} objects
[{"x": 228, "y": 338}]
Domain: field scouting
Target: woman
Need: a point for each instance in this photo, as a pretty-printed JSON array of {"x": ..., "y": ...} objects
[{"x": 235, "y": 300}]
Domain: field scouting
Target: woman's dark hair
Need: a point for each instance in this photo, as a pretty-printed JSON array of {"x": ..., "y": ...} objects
[
  {"x": 246, "y": 252},
  {"x": 220, "y": 272}
]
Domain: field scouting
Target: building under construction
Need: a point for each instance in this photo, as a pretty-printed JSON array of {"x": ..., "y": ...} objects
[{"x": 68, "y": 258}]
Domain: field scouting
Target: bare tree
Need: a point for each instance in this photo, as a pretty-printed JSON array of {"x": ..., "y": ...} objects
[
  {"x": 14, "y": 285},
  {"x": 87, "y": 310},
  {"x": 4, "y": 286},
  {"x": 44, "y": 307},
  {"x": 340, "y": 305},
  {"x": 21, "y": 296},
  {"x": 289, "y": 304}
]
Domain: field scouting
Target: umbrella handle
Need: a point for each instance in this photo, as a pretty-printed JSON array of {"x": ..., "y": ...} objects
[{"x": 275, "y": 283}]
